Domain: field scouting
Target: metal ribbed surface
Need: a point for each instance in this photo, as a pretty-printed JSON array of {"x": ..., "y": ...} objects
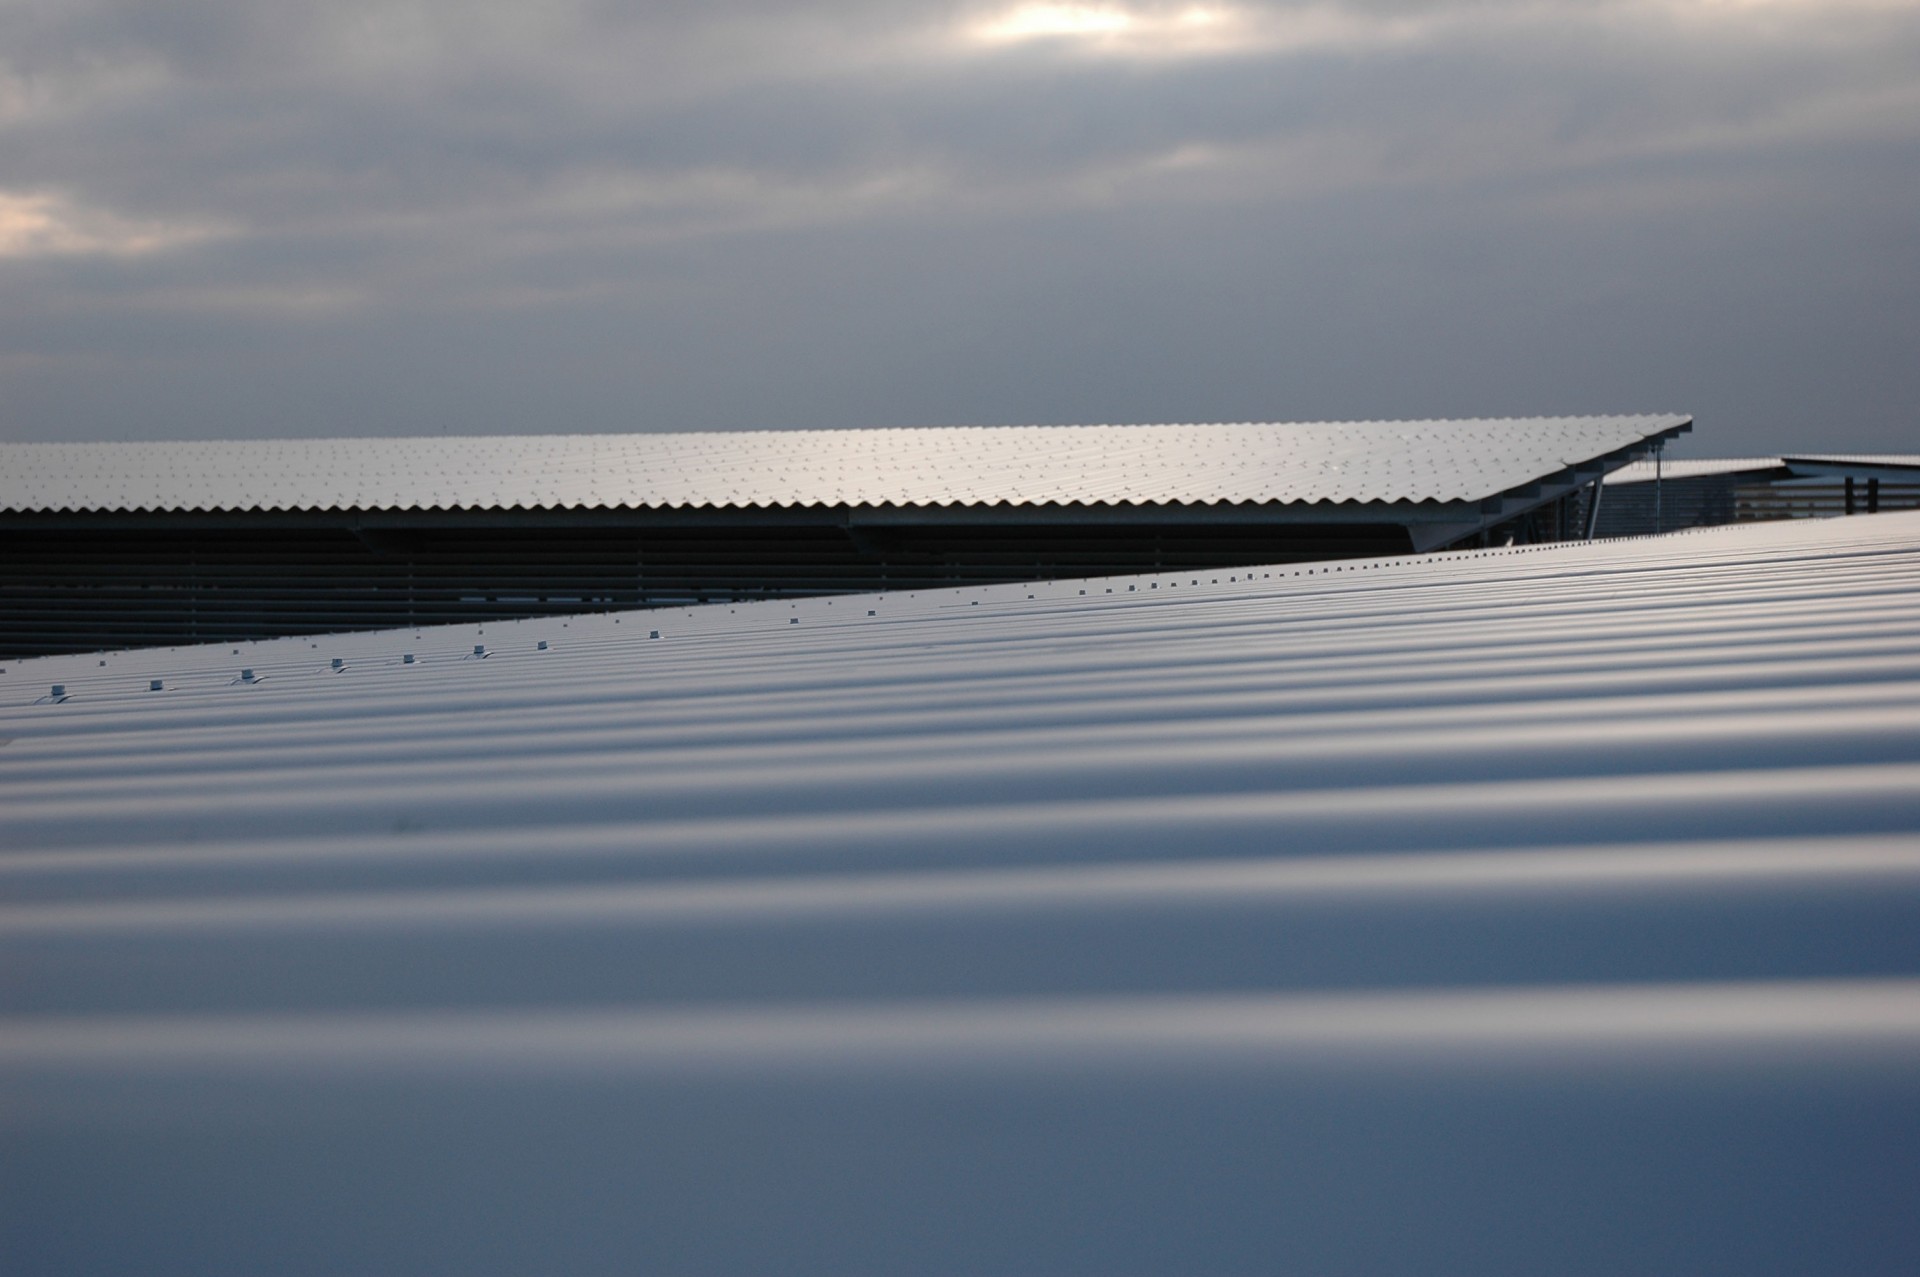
[
  {"x": 1017, "y": 465},
  {"x": 1899, "y": 461},
  {"x": 1703, "y": 467},
  {"x": 1546, "y": 910},
  {"x": 1691, "y": 468}
]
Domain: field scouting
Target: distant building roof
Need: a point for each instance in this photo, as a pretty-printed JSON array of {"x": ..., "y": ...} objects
[
  {"x": 1706, "y": 467},
  {"x": 1692, "y": 468},
  {"x": 1852, "y": 461},
  {"x": 1307, "y": 462}
]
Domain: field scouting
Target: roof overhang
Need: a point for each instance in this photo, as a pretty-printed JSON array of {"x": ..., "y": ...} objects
[{"x": 1429, "y": 524}]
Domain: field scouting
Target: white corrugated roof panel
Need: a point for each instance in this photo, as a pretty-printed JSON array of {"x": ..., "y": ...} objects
[
  {"x": 1692, "y": 468},
  {"x": 1892, "y": 460},
  {"x": 976, "y": 465},
  {"x": 1538, "y": 910},
  {"x": 1704, "y": 467}
]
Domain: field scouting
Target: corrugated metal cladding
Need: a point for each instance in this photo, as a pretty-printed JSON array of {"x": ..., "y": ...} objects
[
  {"x": 1546, "y": 910},
  {"x": 1670, "y": 469},
  {"x": 1865, "y": 460},
  {"x": 141, "y": 545},
  {"x": 980, "y": 465},
  {"x": 1799, "y": 465}
]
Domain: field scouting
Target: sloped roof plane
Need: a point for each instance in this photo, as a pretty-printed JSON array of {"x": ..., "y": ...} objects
[
  {"x": 1128, "y": 465},
  {"x": 1798, "y": 465},
  {"x": 1548, "y": 909}
]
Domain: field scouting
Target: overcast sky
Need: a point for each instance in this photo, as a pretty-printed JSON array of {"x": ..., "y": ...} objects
[{"x": 239, "y": 218}]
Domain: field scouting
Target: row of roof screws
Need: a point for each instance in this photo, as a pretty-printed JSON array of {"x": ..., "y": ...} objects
[
  {"x": 406, "y": 658},
  {"x": 58, "y": 692}
]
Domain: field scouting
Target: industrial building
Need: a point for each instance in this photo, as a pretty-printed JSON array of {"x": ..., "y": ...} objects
[
  {"x": 1663, "y": 495},
  {"x": 114, "y": 545},
  {"x": 1540, "y": 909}
]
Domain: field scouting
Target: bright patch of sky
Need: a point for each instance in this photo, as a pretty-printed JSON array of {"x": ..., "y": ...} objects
[
  {"x": 1112, "y": 27},
  {"x": 43, "y": 225}
]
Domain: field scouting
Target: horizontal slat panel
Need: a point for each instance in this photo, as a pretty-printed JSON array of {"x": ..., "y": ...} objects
[{"x": 66, "y": 589}]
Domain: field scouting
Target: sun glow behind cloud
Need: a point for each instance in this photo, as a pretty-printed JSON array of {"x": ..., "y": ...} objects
[
  {"x": 1177, "y": 31},
  {"x": 1112, "y": 28}
]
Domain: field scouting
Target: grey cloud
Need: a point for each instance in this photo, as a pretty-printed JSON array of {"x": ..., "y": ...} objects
[
  {"x": 598, "y": 216},
  {"x": 287, "y": 118}
]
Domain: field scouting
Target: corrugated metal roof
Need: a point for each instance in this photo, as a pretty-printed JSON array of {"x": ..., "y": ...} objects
[
  {"x": 1704, "y": 467},
  {"x": 1692, "y": 468},
  {"x": 983, "y": 465},
  {"x": 1540, "y": 910},
  {"x": 1897, "y": 460}
]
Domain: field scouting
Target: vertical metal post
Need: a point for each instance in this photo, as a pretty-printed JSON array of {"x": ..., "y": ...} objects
[
  {"x": 1873, "y": 496},
  {"x": 1659, "y": 521},
  {"x": 1593, "y": 507}
]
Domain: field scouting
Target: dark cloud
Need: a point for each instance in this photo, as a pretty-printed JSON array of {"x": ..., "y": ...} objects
[{"x": 226, "y": 219}]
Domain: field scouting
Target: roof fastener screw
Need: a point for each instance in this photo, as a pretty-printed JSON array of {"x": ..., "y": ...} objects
[
  {"x": 541, "y": 646},
  {"x": 653, "y": 633},
  {"x": 59, "y": 691},
  {"x": 155, "y": 685},
  {"x": 246, "y": 676},
  {"x": 480, "y": 649},
  {"x": 339, "y": 664},
  {"x": 407, "y": 659}
]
